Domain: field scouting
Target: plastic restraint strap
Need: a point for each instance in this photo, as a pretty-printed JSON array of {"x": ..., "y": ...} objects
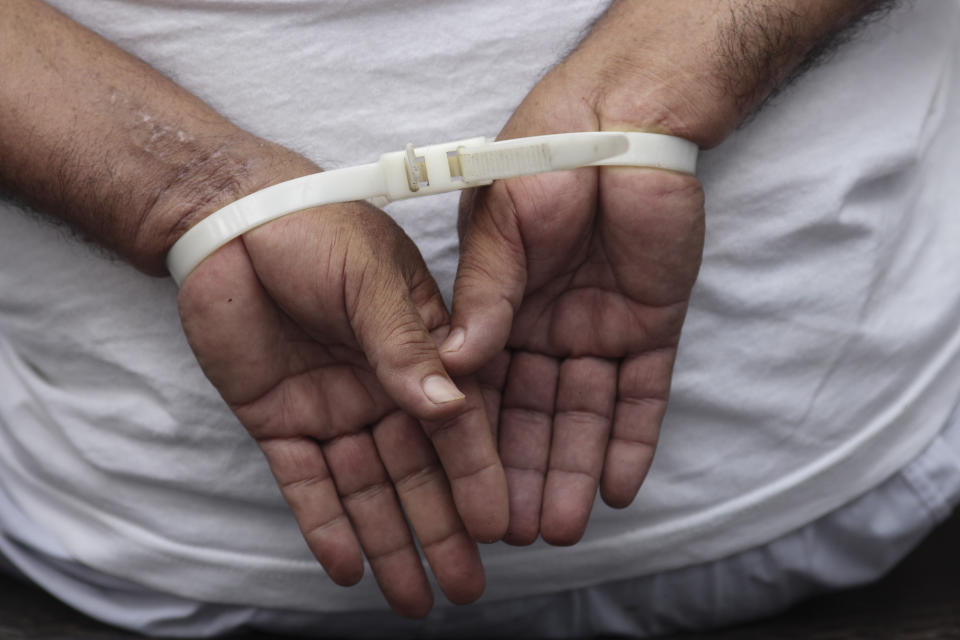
[{"x": 424, "y": 171}]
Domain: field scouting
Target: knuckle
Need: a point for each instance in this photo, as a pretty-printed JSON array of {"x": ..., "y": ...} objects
[
  {"x": 418, "y": 478},
  {"x": 367, "y": 493},
  {"x": 408, "y": 345}
]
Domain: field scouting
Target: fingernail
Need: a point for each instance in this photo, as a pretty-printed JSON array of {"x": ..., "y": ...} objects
[
  {"x": 454, "y": 341},
  {"x": 440, "y": 390}
]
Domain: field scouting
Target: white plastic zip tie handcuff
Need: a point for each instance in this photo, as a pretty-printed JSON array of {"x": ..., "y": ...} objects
[{"x": 422, "y": 171}]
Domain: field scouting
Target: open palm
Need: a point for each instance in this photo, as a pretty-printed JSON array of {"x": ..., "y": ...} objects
[
  {"x": 584, "y": 276},
  {"x": 315, "y": 329}
]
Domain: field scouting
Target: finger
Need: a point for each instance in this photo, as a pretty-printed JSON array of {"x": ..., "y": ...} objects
[
  {"x": 466, "y": 449},
  {"x": 370, "y": 502},
  {"x": 395, "y": 339},
  {"x": 301, "y": 472},
  {"x": 426, "y": 499},
  {"x": 586, "y": 393},
  {"x": 525, "y": 432},
  {"x": 491, "y": 278},
  {"x": 643, "y": 389},
  {"x": 492, "y": 377},
  {"x": 477, "y": 468}
]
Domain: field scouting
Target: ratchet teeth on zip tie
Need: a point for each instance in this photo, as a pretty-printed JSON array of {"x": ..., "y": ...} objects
[{"x": 421, "y": 171}]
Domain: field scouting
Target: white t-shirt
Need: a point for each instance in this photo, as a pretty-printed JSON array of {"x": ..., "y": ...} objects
[{"x": 820, "y": 354}]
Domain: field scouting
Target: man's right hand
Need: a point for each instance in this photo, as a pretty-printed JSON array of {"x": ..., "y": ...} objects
[{"x": 316, "y": 330}]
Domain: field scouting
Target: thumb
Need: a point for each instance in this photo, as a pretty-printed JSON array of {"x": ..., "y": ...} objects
[
  {"x": 394, "y": 338},
  {"x": 491, "y": 279},
  {"x": 391, "y": 321}
]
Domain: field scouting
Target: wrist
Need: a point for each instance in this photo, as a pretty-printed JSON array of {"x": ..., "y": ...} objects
[
  {"x": 213, "y": 179},
  {"x": 697, "y": 69},
  {"x": 648, "y": 67}
]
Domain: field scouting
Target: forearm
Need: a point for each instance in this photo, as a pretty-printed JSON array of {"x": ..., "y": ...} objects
[
  {"x": 698, "y": 68},
  {"x": 93, "y": 135}
]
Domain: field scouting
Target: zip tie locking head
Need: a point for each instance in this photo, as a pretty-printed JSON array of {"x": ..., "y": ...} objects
[{"x": 416, "y": 169}]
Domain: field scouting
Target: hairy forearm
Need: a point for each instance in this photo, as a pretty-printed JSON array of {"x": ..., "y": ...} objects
[
  {"x": 94, "y": 136},
  {"x": 698, "y": 68}
]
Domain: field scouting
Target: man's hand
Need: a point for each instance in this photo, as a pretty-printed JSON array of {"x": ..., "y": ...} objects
[
  {"x": 316, "y": 331},
  {"x": 585, "y": 277}
]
